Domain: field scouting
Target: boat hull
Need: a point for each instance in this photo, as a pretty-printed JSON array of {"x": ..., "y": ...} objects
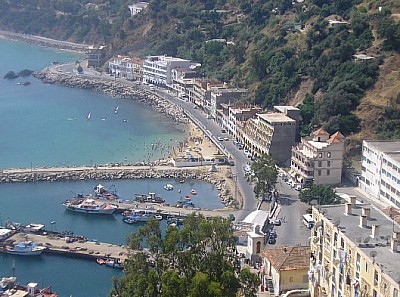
[{"x": 91, "y": 211}]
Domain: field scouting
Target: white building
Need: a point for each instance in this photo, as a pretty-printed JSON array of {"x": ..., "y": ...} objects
[
  {"x": 158, "y": 69},
  {"x": 137, "y": 7},
  {"x": 318, "y": 159},
  {"x": 380, "y": 170}
]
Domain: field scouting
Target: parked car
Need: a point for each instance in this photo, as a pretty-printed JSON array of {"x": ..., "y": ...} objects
[
  {"x": 220, "y": 138},
  {"x": 277, "y": 222}
]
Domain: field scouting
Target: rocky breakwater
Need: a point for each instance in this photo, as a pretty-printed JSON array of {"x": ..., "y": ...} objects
[
  {"x": 110, "y": 173},
  {"x": 115, "y": 89}
]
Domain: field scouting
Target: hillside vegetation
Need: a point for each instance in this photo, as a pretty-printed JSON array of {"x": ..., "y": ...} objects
[{"x": 284, "y": 52}]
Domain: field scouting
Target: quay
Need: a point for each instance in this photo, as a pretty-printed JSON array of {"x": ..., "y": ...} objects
[
  {"x": 80, "y": 248},
  {"x": 166, "y": 210}
]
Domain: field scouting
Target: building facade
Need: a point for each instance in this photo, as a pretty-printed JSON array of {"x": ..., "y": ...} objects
[
  {"x": 201, "y": 91},
  {"x": 272, "y": 133},
  {"x": 137, "y": 7},
  {"x": 380, "y": 170},
  {"x": 318, "y": 159},
  {"x": 354, "y": 252},
  {"x": 158, "y": 69},
  {"x": 286, "y": 267},
  {"x": 95, "y": 55},
  {"x": 223, "y": 95}
]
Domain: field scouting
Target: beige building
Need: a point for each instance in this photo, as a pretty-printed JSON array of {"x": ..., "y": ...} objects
[
  {"x": 354, "y": 252},
  {"x": 286, "y": 267},
  {"x": 272, "y": 133},
  {"x": 318, "y": 159},
  {"x": 201, "y": 91}
]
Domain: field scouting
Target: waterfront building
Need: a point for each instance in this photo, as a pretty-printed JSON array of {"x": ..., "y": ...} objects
[
  {"x": 182, "y": 81},
  {"x": 137, "y": 7},
  {"x": 223, "y": 95},
  {"x": 354, "y": 251},
  {"x": 318, "y": 159},
  {"x": 285, "y": 268},
  {"x": 158, "y": 69},
  {"x": 127, "y": 67},
  {"x": 201, "y": 91},
  {"x": 271, "y": 132},
  {"x": 380, "y": 170},
  {"x": 230, "y": 115},
  {"x": 95, "y": 55}
]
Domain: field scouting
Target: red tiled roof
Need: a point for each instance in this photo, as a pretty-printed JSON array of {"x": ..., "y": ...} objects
[
  {"x": 337, "y": 137},
  {"x": 289, "y": 258},
  {"x": 320, "y": 131}
]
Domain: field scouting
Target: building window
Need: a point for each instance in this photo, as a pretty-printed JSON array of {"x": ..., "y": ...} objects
[
  {"x": 328, "y": 163},
  {"x": 328, "y": 172},
  {"x": 328, "y": 154},
  {"x": 319, "y": 163},
  {"x": 319, "y": 172},
  {"x": 291, "y": 279},
  {"x": 258, "y": 249},
  {"x": 376, "y": 278},
  {"x": 320, "y": 155},
  {"x": 366, "y": 266},
  {"x": 395, "y": 293}
]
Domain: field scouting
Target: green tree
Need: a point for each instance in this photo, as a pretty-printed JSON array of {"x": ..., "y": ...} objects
[
  {"x": 264, "y": 175},
  {"x": 320, "y": 194},
  {"x": 198, "y": 260}
]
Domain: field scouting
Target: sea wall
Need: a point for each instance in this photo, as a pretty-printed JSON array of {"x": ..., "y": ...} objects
[
  {"x": 115, "y": 89},
  {"x": 93, "y": 173}
]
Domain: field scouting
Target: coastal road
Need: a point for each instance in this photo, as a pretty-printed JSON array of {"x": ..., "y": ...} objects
[{"x": 213, "y": 130}]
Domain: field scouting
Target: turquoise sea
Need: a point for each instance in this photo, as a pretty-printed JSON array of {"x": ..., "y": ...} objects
[{"x": 45, "y": 125}]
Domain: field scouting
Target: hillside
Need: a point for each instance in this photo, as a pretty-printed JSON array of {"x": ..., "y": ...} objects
[{"x": 299, "y": 52}]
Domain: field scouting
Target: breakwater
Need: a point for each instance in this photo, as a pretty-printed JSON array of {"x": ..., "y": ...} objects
[
  {"x": 120, "y": 172},
  {"x": 115, "y": 89}
]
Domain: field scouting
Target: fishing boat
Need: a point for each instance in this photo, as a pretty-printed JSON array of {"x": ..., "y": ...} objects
[
  {"x": 138, "y": 216},
  {"x": 101, "y": 192},
  {"x": 116, "y": 109},
  {"x": 89, "y": 206},
  {"x": 185, "y": 204},
  {"x": 168, "y": 187},
  {"x": 149, "y": 198},
  {"x": 193, "y": 191},
  {"x": 25, "y": 248},
  {"x": 188, "y": 198},
  {"x": 10, "y": 287}
]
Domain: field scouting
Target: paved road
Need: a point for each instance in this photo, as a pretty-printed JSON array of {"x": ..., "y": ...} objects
[{"x": 213, "y": 130}]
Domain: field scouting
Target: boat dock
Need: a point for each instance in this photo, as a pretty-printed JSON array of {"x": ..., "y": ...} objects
[
  {"x": 80, "y": 249},
  {"x": 166, "y": 210}
]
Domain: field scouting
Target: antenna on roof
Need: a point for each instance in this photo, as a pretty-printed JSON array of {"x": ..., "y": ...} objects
[{"x": 373, "y": 254}]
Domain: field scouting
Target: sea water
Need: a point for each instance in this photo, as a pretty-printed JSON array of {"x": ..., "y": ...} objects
[{"x": 46, "y": 125}]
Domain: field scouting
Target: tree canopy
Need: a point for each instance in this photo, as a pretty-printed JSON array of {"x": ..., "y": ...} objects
[
  {"x": 319, "y": 195},
  {"x": 264, "y": 175},
  {"x": 200, "y": 259}
]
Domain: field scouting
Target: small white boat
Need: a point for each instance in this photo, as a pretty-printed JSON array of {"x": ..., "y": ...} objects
[
  {"x": 116, "y": 109},
  {"x": 168, "y": 187},
  {"x": 88, "y": 116},
  {"x": 193, "y": 191}
]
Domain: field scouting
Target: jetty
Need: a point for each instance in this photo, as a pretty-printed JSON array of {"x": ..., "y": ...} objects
[{"x": 65, "y": 246}]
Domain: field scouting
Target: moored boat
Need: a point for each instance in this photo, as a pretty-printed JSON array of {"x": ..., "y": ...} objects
[
  {"x": 89, "y": 206},
  {"x": 168, "y": 187},
  {"x": 25, "y": 248},
  {"x": 111, "y": 262},
  {"x": 101, "y": 192},
  {"x": 193, "y": 191},
  {"x": 137, "y": 216},
  {"x": 149, "y": 198}
]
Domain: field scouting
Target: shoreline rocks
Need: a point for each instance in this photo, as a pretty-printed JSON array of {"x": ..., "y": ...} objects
[{"x": 118, "y": 173}]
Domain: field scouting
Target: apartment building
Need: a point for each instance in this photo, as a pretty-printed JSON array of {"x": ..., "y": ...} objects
[
  {"x": 201, "y": 91},
  {"x": 182, "y": 82},
  {"x": 231, "y": 115},
  {"x": 272, "y": 133},
  {"x": 318, "y": 159},
  {"x": 127, "y": 67},
  {"x": 158, "y": 69},
  {"x": 354, "y": 252},
  {"x": 223, "y": 95},
  {"x": 380, "y": 170}
]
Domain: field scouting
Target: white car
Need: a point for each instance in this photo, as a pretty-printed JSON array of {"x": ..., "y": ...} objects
[{"x": 220, "y": 138}]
